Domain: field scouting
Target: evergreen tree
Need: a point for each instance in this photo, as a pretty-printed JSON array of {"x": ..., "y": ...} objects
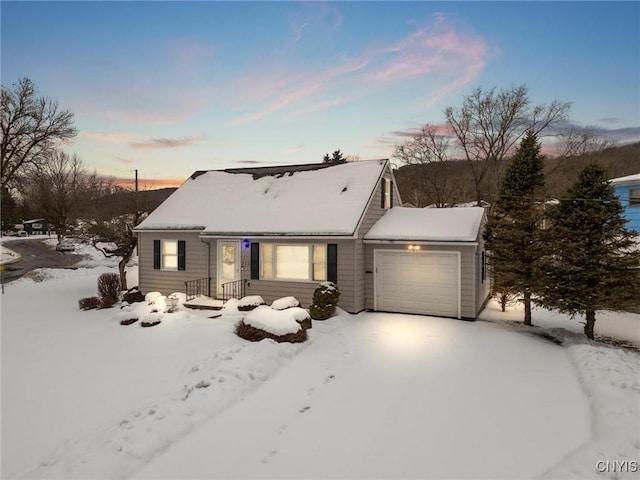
[
  {"x": 513, "y": 228},
  {"x": 594, "y": 262},
  {"x": 336, "y": 158}
]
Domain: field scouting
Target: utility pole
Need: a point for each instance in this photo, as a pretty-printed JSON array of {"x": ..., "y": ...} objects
[{"x": 136, "y": 170}]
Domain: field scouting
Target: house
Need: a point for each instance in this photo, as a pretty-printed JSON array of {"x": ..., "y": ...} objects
[
  {"x": 628, "y": 191},
  {"x": 278, "y": 231},
  {"x": 36, "y": 226}
]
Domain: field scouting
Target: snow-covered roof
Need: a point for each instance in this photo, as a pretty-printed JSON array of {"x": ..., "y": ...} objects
[
  {"x": 628, "y": 179},
  {"x": 296, "y": 200},
  {"x": 460, "y": 224}
]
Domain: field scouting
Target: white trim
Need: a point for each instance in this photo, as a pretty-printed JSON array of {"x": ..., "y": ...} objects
[
  {"x": 162, "y": 254},
  {"x": 258, "y": 238},
  {"x": 237, "y": 260},
  {"x": 421, "y": 242},
  {"x": 387, "y": 250},
  {"x": 373, "y": 192},
  {"x": 274, "y": 262},
  {"x": 168, "y": 230}
]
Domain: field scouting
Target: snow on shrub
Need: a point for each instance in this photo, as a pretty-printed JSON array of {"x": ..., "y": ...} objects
[
  {"x": 151, "y": 297},
  {"x": 151, "y": 320},
  {"x": 277, "y": 322},
  {"x": 89, "y": 303},
  {"x": 325, "y": 300},
  {"x": 279, "y": 325},
  {"x": 284, "y": 303},
  {"x": 250, "y": 302},
  {"x": 301, "y": 316},
  {"x": 129, "y": 321},
  {"x": 133, "y": 295}
]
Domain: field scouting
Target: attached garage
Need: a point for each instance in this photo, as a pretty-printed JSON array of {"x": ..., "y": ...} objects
[
  {"x": 417, "y": 282},
  {"x": 427, "y": 261}
]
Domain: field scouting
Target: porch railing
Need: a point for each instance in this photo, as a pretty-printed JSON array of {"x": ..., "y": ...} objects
[
  {"x": 233, "y": 289},
  {"x": 197, "y": 287}
]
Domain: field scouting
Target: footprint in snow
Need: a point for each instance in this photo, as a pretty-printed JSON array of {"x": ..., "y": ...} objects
[
  {"x": 282, "y": 428},
  {"x": 269, "y": 456},
  {"x": 329, "y": 378},
  {"x": 304, "y": 409},
  {"x": 310, "y": 391}
]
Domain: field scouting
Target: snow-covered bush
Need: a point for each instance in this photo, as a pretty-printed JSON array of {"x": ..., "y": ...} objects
[
  {"x": 250, "y": 302},
  {"x": 89, "y": 303},
  {"x": 279, "y": 325},
  {"x": 284, "y": 303},
  {"x": 129, "y": 321},
  {"x": 108, "y": 289},
  {"x": 133, "y": 295},
  {"x": 325, "y": 301},
  {"x": 151, "y": 320}
]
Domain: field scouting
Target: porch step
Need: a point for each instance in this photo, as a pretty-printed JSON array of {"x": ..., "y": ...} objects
[{"x": 204, "y": 303}]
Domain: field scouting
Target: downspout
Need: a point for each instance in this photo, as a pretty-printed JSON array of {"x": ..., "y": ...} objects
[{"x": 208, "y": 263}]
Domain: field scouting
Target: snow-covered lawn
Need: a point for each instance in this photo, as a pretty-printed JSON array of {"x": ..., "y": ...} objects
[{"x": 371, "y": 395}]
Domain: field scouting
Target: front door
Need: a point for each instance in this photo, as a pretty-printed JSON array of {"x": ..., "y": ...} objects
[{"x": 228, "y": 263}]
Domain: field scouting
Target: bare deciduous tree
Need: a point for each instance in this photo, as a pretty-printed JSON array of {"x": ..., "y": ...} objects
[
  {"x": 57, "y": 188},
  {"x": 430, "y": 147},
  {"x": 32, "y": 127},
  {"x": 581, "y": 142},
  {"x": 490, "y": 123}
]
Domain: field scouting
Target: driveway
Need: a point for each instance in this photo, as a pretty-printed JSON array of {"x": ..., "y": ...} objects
[
  {"x": 35, "y": 254},
  {"x": 397, "y": 396}
]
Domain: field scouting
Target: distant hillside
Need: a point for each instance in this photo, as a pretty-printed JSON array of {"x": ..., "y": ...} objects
[
  {"x": 120, "y": 202},
  {"x": 560, "y": 174}
]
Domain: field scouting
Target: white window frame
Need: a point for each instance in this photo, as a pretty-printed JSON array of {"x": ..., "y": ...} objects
[
  {"x": 312, "y": 269},
  {"x": 634, "y": 198},
  {"x": 163, "y": 255},
  {"x": 387, "y": 193}
]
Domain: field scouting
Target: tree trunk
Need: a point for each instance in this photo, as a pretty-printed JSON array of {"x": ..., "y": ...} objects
[
  {"x": 123, "y": 274},
  {"x": 591, "y": 322},
  {"x": 527, "y": 308}
]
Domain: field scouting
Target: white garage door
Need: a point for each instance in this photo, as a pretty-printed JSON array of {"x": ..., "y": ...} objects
[{"x": 417, "y": 282}]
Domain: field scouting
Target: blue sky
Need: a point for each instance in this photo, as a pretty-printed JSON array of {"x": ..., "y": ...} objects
[{"x": 172, "y": 87}]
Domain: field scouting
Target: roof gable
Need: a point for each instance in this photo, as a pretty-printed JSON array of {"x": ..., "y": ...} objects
[{"x": 302, "y": 200}]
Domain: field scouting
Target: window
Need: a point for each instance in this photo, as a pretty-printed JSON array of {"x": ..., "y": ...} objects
[
  {"x": 387, "y": 194},
  {"x": 634, "y": 197},
  {"x": 293, "y": 262},
  {"x": 169, "y": 254}
]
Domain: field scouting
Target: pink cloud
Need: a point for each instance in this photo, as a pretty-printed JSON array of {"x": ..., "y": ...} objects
[
  {"x": 292, "y": 150},
  {"x": 113, "y": 137},
  {"x": 437, "y": 52},
  {"x": 161, "y": 143}
]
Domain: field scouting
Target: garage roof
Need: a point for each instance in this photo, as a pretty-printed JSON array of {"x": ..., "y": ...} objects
[{"x": 428, "y": 224}]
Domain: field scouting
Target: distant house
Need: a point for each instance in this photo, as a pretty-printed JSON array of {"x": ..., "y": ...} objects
[
  {"x": 628, "y": 191},
  {"x": 36, "y": 226},
  {"x": 279, "y": 231}
]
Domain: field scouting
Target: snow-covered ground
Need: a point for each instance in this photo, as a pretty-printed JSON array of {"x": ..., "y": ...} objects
[{"x": 371, "y": 395}]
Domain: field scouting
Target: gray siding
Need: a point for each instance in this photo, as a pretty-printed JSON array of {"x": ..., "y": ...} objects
[
  {"x": 166, "y": 281},
  {"x": 468, "y": 280},
  {"x": 371, "y": 215},
  {"x": 271, "y": 290}
]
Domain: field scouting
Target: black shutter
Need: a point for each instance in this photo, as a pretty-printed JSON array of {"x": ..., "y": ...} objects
[
  {"x": 255, "y": 261},
  {"x": 390, "y": 193},
  {"x": 181, "y": 255},
  {"x": 383, "y": 191},
  {"x": 332, "y": 262},
  {"x": 156, "y": 254}
]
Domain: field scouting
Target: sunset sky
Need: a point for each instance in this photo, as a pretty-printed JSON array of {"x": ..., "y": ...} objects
[{"x": 172, "y": 87}]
